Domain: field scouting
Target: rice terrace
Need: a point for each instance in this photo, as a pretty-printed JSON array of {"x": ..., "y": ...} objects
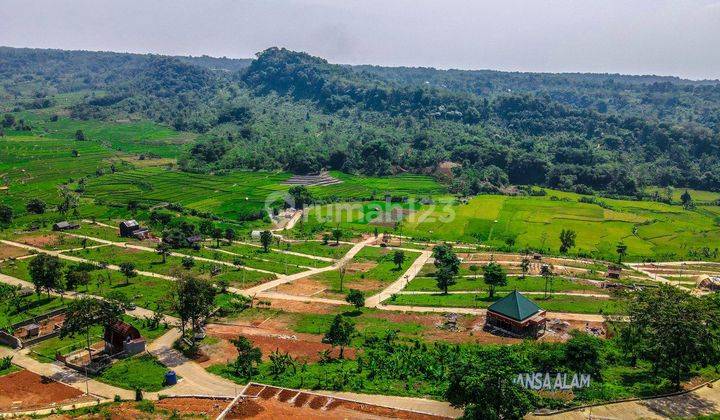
[{"x": 280, "y": 236}]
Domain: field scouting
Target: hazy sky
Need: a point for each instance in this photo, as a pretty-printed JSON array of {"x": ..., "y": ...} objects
[{"x": 625, "y": 36}]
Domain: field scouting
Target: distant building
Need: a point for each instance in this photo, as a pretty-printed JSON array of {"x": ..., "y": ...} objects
[
  {"x": 131, "y": 229},
  {"x": 516, "y": 315},
  {"x": 710, "y": 283},
  {"x": 537, "y": 256},
  {"x": 123, "y": 337},
  {"x": 614, "y": 272},
  {"x": 194, "y": 239},
  {"x": 65, "y": 226}
]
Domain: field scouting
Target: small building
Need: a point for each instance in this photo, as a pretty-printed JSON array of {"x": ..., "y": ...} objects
[
  {"x": 614, "y": 272},
  {"x": 516, "y": 315},
  {"x": 537, "y": 256},
  {"x": 64, "y": 225},
  {"x": 710, "y": 283},
  {"x": 131, "y": 229},
  {"x": 123, "y": 337},
  {"x": 194, "y": 239}
]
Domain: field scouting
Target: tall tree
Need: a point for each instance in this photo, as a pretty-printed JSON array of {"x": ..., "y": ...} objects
[
  {"x": 356, "y": 298},
  {"x": 567, "y": 240},
  {"x": 128, "y": 270},
  {"x": 444, "y": 277},
  {"x": 621, "y": 250},
  {"x": 670, "y": 329},
  {"x": 45, "y": 272},
  {"x": 301, "y": 196},
  {"x": 547, "y": 274},
  {"x": 337, "y": 234},
  {"x": 494, "y": 276},
  {"x": 525, "y": 266},
  {"x": 85, "y": 313},
  {"x": 163, "y": 249},
  {"x": 266, "y": 239},
  {"x": 6, "y": 215},
  {"x": 35, "y": 206},
  {"x": 340, "y": 333},
  {"x": 249, "y": 357},
  {"x": 193, "y": 301},
  {"x": 687, "y": 201},
  {"x": 399, "y": 259},
  {"x": 482, "y": 384}
]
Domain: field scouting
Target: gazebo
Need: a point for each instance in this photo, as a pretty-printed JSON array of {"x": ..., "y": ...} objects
[{"x": 516, "y": 315}]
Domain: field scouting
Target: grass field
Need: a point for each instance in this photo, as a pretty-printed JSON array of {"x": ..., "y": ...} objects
[
  {"x": 555, "y": 303},
  {"x": 151, "y": 262},
  {"x": 33, "y": 306},
  {"x": 45, "y": 350},
  {"x": 144, "y": 372},
  {"x": 528, "y": 284},
  {"x": 370, "y": 270},
  {"x": 649, "y": 229}
]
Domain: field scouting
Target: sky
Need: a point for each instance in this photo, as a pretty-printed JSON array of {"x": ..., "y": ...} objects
[{"x": 679, "y": 37}]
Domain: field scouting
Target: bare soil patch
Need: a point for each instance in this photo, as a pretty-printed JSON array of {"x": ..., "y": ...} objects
[
  {"x": 302, "y": 287},
  {"x": 207, "y": 407},
  {"x": 40, "y": 240},
  {"x": 300, "y": 307},
  {"x": 361, "y": 267},
  {"x": 272, "y": 403},
  {"x": 7, "y": 251},
  {"x": 26, "y": 390},
  {"x": 301, "y": 346}
]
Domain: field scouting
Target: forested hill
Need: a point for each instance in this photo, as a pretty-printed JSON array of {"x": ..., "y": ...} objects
[{"x": 290, "y": 110}]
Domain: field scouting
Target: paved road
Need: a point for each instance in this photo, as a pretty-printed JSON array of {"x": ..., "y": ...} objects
[
  {"x": 400, "y": 283},
  {"x": 174, "y": 254},
  {"x": 195, "y": 379},
  {"x": 61, "y": 373},
  {"x": 702, "y": 401},
  {"x": 288, "y": 279}
]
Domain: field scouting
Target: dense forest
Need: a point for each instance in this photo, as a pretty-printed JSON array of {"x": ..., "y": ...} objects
[{"x": 479, "y": 130}]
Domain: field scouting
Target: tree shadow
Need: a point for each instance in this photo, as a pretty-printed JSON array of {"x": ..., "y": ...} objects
[{"x": 683, "y": 405}]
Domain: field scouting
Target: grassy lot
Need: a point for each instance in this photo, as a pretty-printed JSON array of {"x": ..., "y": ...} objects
[
  {"x": 554, "y": 303},
  {"x": 144, "y": 372},
  {"x": 319, "y": 249},
  {"x": 528, "y": 284},
  {"x": 256, "y": 258},
  {"x": 11, "y": 369},
  {"x": 371, "y": 270},
  {"x": 33, "y": 306},
  {"x": 151, "y": 262},
  {"x": 45, "y": 350},
  {"x": 649, "y": 229},
  {"x": 366, "y": 324}
]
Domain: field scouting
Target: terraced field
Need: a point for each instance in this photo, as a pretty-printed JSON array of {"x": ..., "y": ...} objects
[{"x": 231, "y": 196}]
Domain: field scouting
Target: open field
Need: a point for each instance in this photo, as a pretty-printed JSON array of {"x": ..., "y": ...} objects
[
  {"x": 45, "y": 350},
  {"x": 371, "y": 270},
  {"x": 528, "y": 284},
  {"x": 138, "y": 372},
  {"x": 649, "y": 229},
  {"x": 151, "y": 262},
  {"x": 554, "y": 303}
]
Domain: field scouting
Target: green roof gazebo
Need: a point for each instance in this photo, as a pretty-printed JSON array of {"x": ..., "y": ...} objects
[{"x": 517, "y": 316}]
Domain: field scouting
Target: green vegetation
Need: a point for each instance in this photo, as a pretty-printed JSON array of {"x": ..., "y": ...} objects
[
  {"x": 554, "y": 303},
  {"x": 139, "y": 372},
  {"x": 46, "y": 350},
  {"x": 370, "y": 270},
  {"x": 528, "y": 284}
]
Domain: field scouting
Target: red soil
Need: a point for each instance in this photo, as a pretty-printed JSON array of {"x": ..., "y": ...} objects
[{"x": 31, "y": 391}]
